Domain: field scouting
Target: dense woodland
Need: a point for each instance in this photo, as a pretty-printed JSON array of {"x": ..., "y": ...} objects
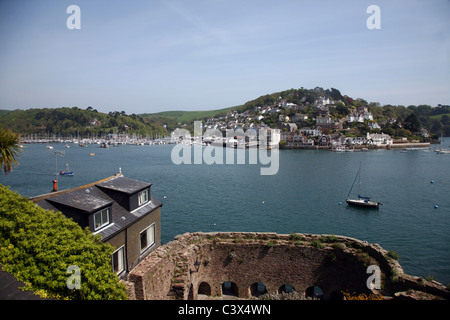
[{"x": 76, "y": 122}]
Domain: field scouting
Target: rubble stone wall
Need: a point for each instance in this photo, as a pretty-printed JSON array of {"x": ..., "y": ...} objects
[{"x": 248, "y": 264}]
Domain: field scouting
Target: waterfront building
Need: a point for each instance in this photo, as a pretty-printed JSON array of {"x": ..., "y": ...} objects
[
  {"x": 379, "y": 139},
  {"x": 119, "y": 209}
]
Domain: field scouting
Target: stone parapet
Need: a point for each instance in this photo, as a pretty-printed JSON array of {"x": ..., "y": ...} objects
[{"x": 249, "y": 264}]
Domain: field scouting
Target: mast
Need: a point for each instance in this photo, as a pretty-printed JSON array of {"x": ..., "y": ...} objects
[
  {"x": 351, "y": 188},
  {"x": 359, "y": 182}
]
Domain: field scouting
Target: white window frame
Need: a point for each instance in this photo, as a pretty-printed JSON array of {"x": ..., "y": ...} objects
[
  {"x": 140, "y": 202},
  {"x": 103, "y": 223},
  {"x": 149, "y": 243},
  {"x": 122, "y": 256}
]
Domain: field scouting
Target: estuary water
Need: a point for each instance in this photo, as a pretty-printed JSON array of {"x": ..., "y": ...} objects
[{"x": 307, "y": 194}]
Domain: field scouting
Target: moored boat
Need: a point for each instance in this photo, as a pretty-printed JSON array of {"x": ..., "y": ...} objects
[
  {"x": 361, "y": 201},
  {"x": 67, "y": 172}
]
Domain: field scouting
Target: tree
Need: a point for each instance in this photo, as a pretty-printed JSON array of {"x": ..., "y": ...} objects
[
  {"x": 411, "y": 123},
  {"x": 445, "y": 119},
  {"x": 336, "y": 95},
  {"x": 9, "y": 149},
  {"x": 342, "y": 109},
  {"x": 436, "y": 126}
]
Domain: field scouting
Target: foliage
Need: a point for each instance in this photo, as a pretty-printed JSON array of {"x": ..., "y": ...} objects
[
  {"x": 9, "y": 149},
  {"x": 190, "y": 116},
  {"x": 38, "y": 246},
  {"x": 317, "y": 244},
  {"x": 75, "y": 121},
  {"x": 362, "y": 296},
  {"x": 281, "y": 296},
  {"x": 411, "y": 123},
  {"x": 391, "y": 254}
]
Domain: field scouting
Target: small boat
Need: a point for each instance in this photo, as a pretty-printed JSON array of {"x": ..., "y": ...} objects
[
  {"x": 361, "y": 201},
  {"x": 103, "y": 145},
  {"x": 342, "y": 149},
  {"x": 338, "y": 149},
  {"x": 67, "y": 172}
]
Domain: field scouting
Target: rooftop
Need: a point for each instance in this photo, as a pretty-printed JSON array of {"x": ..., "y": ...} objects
[
  {"x": 125, "y": 185},
  {"x": 90, "y": 198}
]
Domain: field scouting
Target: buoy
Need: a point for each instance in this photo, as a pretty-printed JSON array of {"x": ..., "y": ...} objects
[
  {"x": 263, "y": 202},
  {"x": 165, "y": 197},
  {"x": 340, "y": 203},
  {"x": 432, "y": 181},
  {"x": 436, "y": 206}
]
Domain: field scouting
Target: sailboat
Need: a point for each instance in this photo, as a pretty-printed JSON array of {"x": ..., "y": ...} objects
[
  {"x": 67, "y": 172},
  {"x": 361, "y": 201}
]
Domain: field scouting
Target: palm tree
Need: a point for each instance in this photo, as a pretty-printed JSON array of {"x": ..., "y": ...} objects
[{"x": 9, "y": 149}]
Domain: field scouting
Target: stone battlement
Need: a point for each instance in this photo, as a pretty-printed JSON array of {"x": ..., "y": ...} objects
[{"x": 250, "y": 264}]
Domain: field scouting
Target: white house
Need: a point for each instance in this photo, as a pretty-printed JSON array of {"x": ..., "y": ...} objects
[
  {"x": 379, "y": 139},
  {"x": 311, "y": 132}
]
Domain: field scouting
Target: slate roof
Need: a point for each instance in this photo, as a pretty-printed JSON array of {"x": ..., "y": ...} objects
[
  {"x": 90, "y": 198},
  {"x": 125, "y": 185},
  {"x": 10, "y": 288}
]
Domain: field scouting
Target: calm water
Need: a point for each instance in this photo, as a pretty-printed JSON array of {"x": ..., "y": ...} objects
[{"x": 303, "y": 197}]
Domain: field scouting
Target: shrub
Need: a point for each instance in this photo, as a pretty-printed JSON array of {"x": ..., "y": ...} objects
[
  {"x": 391, "y": 254},
  {"x": 38, "y": 246},
  {"x": 362, "y": 296},
  {"x": 317, "y": 244}
]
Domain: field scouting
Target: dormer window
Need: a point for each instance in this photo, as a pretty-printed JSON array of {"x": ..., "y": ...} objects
[
  {"x": 143, "y": 197},
  {"x": 101, "y": 219}
]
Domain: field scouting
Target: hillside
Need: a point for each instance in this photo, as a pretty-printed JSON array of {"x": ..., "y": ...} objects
[
  {"x": 189, "y": 116},
  {"x": 78, "y": 122},
  {"x": 89, "y": 122}
]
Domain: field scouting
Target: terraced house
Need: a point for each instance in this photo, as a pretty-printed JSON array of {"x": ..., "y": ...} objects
[{"x": 121, "y": 210}]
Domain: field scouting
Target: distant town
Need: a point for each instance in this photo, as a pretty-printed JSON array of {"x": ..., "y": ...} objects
[
  {"x": 297, "y": 118},
  {"x": 322, "y": 123}
]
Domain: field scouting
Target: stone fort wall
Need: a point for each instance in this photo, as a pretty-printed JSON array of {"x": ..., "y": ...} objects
[{"x": 249, "y": 264}]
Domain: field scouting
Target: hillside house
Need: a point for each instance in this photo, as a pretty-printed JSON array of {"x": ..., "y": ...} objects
[
  {"x": 311, "y": 132},
  {"x": 119, "y": 209},
  {"x": 379, "y": 139}
]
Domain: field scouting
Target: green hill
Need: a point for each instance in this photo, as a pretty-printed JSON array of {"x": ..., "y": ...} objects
[
  {"x": 75, "y": 122},
  {"x": 188, "y": 116},
  {"x": 89, "y": 122}
]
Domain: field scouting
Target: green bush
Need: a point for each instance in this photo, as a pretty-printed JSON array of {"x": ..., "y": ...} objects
[
  {"x": 38, "y": 246},
  {"x": 317, "y": 244},
  {"x": 391, "y": 254}
]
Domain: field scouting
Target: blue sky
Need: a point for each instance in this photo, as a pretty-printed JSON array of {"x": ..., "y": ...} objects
[{"x": 157, "y": 55}]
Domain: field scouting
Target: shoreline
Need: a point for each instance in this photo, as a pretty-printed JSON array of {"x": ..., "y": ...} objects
[{"x": 369, "y": 147}]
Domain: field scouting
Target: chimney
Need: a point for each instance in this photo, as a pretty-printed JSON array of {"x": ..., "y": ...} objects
[{"x": 55, "y": 185}]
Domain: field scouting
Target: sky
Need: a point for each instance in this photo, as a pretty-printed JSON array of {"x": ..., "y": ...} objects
[{"x": 148, "y": 56}]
